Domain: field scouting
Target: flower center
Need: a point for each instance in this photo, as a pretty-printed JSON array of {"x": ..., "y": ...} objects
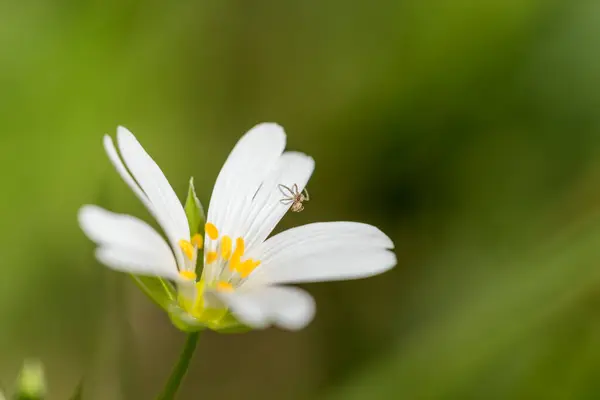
[
  {"x": 191, "y": 298},
  {"x": 224, "y": 257},
  {"x": 225, "y": 268}
]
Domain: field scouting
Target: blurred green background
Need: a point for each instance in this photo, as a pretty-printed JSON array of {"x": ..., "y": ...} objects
[{"x": 467, "y": 130}]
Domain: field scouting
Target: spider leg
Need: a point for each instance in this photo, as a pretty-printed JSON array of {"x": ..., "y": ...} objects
[
  {"x": 295, "y": 188},
  {"x": 286, "y": 201},
  {"x": 281, "y": 187},
  {"x": 305, "y": 194}
]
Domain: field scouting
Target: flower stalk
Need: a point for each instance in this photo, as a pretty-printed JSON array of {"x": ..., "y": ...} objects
[{"x": 180, "y": 369}]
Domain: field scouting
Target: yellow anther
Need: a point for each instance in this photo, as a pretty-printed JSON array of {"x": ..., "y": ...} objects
[
  {"x": 197, "y": 240},
  {"x": 237, "y": 254},
  {"x": 235, "y": 261},
  {"x": 211, "y": 231},
  {"x": 211, "y": 256},
  {"x": 187, "y": 248},
  {"x": 226, "y": 247},
  {"x": 246, "y": 268},
  {"x": 223, "y": 286},
  {"x": 239, "y": 246},
  {"x": 189, "y": 275}
]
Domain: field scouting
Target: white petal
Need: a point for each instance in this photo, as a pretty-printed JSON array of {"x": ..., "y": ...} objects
[
  {"x": 136, "y": 262},
  {"x": 122, "y": 170},
  {"x": 115, "y": 159},
  {"x": 325, "y": 251},
  {"x": 250, "y": 161},
  {"x": 108, "y": 228},
  {"x": 266, "y": 209},
  {"x": 286, "y": 307},
  {"x": 152, "y": 181},
  {"x": 127, "y": 243}
]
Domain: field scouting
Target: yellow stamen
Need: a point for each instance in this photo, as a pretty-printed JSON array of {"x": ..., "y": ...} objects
[
  {"x": 246, "y": 268},
  {"x": 187, "y": 248},
  {"x": 211, "y": 256},
  {"x": 235, "y": 260},
  {"x": 239, "y": 246},
  {"x": 226, "y": 247},
  {"x": 224, "y": 286},
  {"x": 237, "y": 254},
  {"x": 211, "y": 231},
  {"x": 189, "y": 275},
  {"x": 198, "y": 240}
]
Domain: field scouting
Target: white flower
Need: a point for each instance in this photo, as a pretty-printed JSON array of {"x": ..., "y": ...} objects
[{"x": 244, "y": 271}]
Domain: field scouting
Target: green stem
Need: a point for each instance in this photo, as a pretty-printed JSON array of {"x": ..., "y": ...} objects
[{"x": 180, "y": 368}]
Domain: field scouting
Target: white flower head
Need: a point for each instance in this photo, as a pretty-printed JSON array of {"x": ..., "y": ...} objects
[{"x": 244, "y": 271}]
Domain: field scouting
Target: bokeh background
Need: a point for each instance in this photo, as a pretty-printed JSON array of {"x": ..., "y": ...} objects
[{"x": 468, "y": 130}]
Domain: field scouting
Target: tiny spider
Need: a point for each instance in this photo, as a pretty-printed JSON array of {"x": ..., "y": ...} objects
[{"x": 294, "y": 197}]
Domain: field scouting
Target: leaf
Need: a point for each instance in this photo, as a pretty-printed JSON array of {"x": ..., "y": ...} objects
[{"x": 194, "y": 211}]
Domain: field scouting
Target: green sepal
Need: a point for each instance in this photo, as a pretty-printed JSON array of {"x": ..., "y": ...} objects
[
  {"x": 229, "y": 324},
  {"x": 159, "y": 290},
  {"x": 184, "y": 321},
  {"x": 31, "y": 383},
  {"x": 188, "y": 323},
  {"x": 194, "y": 211}
]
